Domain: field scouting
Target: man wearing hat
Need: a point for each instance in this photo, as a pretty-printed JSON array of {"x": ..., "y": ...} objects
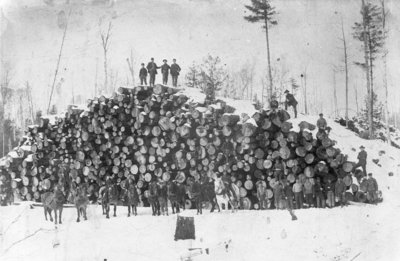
[
  {"x": 175, "y": 70},
  {"x": 372, "y": 188},
  {"x": 291, "y": 101},
  {"x": 152, "y": 69},
  {"x": 362, "y": 160},
  {"x": 165, "y": 71}
]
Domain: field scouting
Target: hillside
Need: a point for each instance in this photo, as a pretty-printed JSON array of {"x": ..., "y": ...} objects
[{"x": 365, "y": 232}]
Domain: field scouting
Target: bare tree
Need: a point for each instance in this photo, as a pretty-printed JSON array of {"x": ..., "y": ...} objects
[
  {"x": 346, "y": 72},
  {"x": 6, "y": 93},
  {"x": 385, "y": 85},
  {"x": 58, "y": 62},
  {"x": 130, "y": 67},
  {"x": 105, "y": 42}
]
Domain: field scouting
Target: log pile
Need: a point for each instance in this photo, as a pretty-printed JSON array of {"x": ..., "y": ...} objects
[{"x": 157, "y": 133}]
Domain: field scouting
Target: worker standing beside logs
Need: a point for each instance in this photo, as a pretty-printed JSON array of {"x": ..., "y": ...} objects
[
  {"x": 175, "y": 70},
  {"x": 288, "y": 193},
  {"x": 372, "y": 188},
  {"x": 322, "y": 125},
  {"x": 340, "y": 190},
  {"x": 309, "y": 193},
  {"x": 329, "y": 189},
  {"x": 319, "y": 194},
  {"x": 362, "y": 160},
  {"x": 298, "y": 193}
]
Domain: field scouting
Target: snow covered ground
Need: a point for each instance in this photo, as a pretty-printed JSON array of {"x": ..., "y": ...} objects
[{"x": 352, "y": 233}]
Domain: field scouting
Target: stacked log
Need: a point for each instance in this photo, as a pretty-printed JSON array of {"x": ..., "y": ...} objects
[{"x": 151, "y": 133}]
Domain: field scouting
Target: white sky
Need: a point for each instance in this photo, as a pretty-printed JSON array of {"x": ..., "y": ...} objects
[{"x": 306, "y": 37}]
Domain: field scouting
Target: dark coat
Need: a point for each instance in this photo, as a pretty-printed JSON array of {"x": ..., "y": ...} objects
[
  {"x": 287, "y": 191},
  {"x": 152, "y": 67},
  {"x": 340, "y": 187},
  {"x": 362, "y": 156},
  {"x": 372, "y": 185},
  {"x": 319, "y": 191},
  {"x": 291, "y": 100},
  {"x": 321, "y": 123},
  {"x": 143, "y": 72},
  {"x": 165, "y": 68},
  {"x": 175, "y": 69},
  {"x": 329, "y": 187}
]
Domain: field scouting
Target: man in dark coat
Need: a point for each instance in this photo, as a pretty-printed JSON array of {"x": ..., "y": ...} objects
[
  {"x": 288, "y": 193},
  {"x": 319, "y": 194},
  {"x": 152, "y": 69},
  {"x": 329, "y": 188},
  {"x": 175, "y": 69},
  {"x": 165, "y": 71},
  {"x": 291, "y": 101},
  {"x": 143, "y": 75},
  {"x": 340, "y": 189},
  {"x": 362, "y": 160},
  {"x": 372, "y": 188},
  {"x": 322, "y": 125}
]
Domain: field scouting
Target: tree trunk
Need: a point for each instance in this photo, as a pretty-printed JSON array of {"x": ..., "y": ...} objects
[
  {"x": 367, "y": 70},
  {"x": 385, "y": 76},
  {"x": 347, "y": 75},
  {"x": 334, "y": 93},
  {"x": 268, "y": 54},
  {"x": 105, "y": 71},
  {"x": 356, "y": 95}
]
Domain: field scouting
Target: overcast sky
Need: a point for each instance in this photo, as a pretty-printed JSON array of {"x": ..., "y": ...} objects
[{"x": 305, "y": 39}]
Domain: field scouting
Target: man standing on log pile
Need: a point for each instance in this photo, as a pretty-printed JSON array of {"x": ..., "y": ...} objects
[
  {"x": 143, "y": 75},
  {"x": 291, "y": 101},
  {"x": 175, "y": 70},
  {"x": 362, "y": 160},
  {"x": 165, "y": 71},
  {"x": 152, "y": 69},
  {"x": 340, "y": 190},
  {"x": 298, "y": 194},
  {"x": 319, "y": 194},
  {"x": 372, "y": 188},
  {"x": 322, "y": 126}
]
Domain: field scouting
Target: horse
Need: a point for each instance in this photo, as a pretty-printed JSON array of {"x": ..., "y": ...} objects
[
  {"x": 202, "y": 192},
  {"x": 162, "y": 197},
  {"x": 80, "y": 200},
  {"x": 153, "y": 198},
  {"x": 53, "y": 201},
  {"x": 131, "y": 198},
  {"x": 111, "y": 197},
  {"x": 176, "y": 195},
  {"x": 230, "y": 194}
]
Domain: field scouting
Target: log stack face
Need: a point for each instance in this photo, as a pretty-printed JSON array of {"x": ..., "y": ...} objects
[{"x": 151, "y": 133}]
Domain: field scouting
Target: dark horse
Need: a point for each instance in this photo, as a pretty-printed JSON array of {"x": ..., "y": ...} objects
[
  {"x": 131, "y": 198},
  {"x": 176, "y": 195},
  {"x": 111, "y": 197},
  {"x": 53, "y": 201},
  {"x": 153, "y": 198},
  {"x": 201, "y": 192}
]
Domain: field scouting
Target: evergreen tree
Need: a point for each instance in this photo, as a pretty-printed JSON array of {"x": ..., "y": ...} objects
[
  {"x": 370, "y": 33},
  {"x": 376, "y": 114},
  {"x": 263, "y": 12}
]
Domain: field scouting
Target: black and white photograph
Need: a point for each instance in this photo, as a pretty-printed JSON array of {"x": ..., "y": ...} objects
[{"x": 195, "y": 130}]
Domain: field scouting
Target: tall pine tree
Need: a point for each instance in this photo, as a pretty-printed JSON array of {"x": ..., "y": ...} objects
[
  {"x": 263, "y": 12},
  {"x": 370, "y": 32}
]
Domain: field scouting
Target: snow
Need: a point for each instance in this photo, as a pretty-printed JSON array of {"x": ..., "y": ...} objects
[{"x": 365, "y": 232}]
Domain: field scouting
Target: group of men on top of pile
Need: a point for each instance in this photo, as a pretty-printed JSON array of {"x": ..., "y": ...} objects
[{"x": 166, "y": 69}]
